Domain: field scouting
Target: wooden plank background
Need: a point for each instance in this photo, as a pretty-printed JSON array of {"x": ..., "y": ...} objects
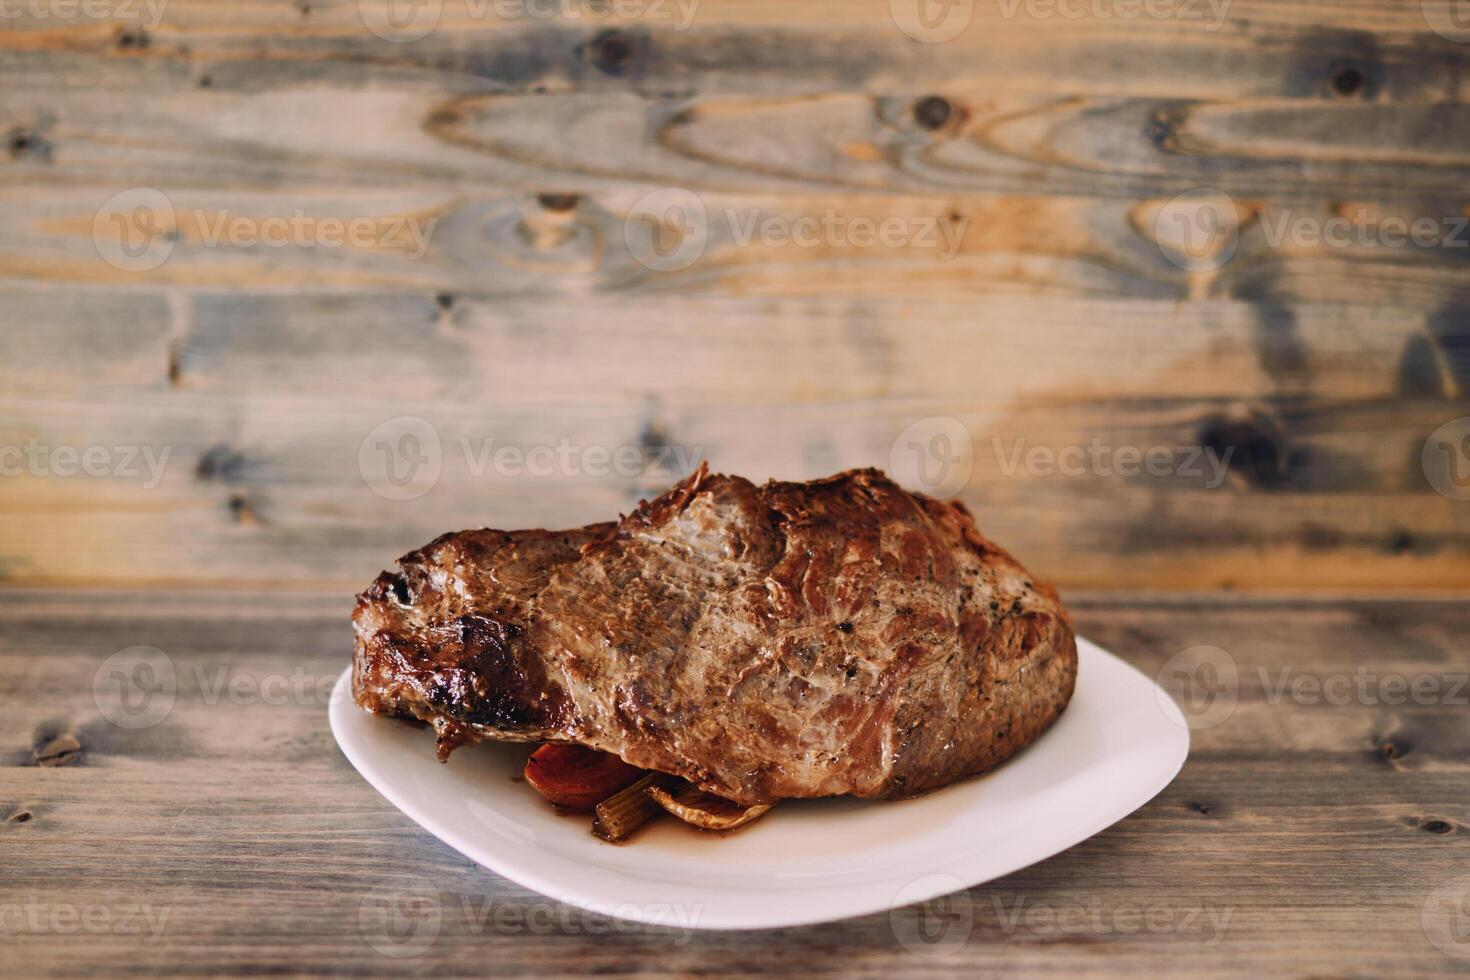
[{"x": 1043, "y": 150}]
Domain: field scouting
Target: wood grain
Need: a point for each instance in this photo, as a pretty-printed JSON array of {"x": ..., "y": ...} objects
[
  {"x": 1037, "y": 294},
  {"x": 262, "y": 408},
  {"x": 1300, "y": 837}
]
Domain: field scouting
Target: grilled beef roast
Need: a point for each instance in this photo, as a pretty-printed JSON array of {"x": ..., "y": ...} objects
[{"x": 786, "y": 640}]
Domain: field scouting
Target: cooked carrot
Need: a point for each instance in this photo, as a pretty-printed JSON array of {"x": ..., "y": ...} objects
[{"x": 577, "y": 777}]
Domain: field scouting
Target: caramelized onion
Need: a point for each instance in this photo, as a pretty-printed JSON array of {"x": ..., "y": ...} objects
[{"x": 706, "y": 810}]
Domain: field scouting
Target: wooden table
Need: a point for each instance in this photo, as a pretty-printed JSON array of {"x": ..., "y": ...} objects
[{"x": 1303, "y": 836}]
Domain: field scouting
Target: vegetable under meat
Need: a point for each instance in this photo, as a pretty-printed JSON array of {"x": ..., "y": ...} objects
[
  {"x": 576, "y": 777},
  {"x": 627, "y": 810},
  {"x": 705, "y": 810},
  {"x": 625, "y": 797}
]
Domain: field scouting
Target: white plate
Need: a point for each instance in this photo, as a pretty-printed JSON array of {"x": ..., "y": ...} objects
[{"x": 1116, "y": 746}]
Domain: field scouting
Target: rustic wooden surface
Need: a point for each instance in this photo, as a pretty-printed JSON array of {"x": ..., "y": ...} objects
[
  {"x": 1047, "y": 146},
  {"x": 1300, "y": 838}
]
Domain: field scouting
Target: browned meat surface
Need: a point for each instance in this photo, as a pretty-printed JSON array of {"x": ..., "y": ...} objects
[{"x": 787, "y": 640}]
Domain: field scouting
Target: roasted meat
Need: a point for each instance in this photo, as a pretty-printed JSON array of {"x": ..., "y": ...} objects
[{"x": 786, "y": 640}]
